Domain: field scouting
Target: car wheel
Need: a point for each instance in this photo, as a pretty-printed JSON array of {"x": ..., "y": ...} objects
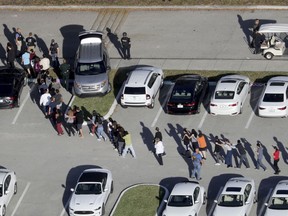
[
  {"x": 4, "y": 210},
  {"x": 103, "y": 210},
  {"x": 18, "y": 102},
  {"x": 240, "y": 111},
  {"x": 15, "y": 188},
  {"x": 152, "y": 103},
  {"x": 112, "y": 188},
  {"x": 162, "y": 83},
  {"x": 268, "y": 55},
  {"x": 204, "y": 198}
]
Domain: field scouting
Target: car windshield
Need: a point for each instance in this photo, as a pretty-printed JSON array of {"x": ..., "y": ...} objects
[
  {"x": 180, "y": 201},
  {"x": 279, "y": 203},
  {"x": 6, "y": 89},
  {"x": 181, "y": 95},
  {"x": 134, "y": 90},
  {"x": 88, "y": 188},
  {"x": 90, "y": 68},
  {"x": 224, "y": 94},
  {"x": 269, "y": 97},
  {"x": 230, "y": 200}
]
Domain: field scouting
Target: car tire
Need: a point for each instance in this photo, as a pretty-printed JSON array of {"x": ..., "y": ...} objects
[
  {"x": 3, "y": 210},
  {"x": 103, "y": 210},
  {"x": 162, "y": 83},
  {"x": 151, "y": 106},
  {"x": 112, "y": 187},
  {"x": 15, "y": 188},
  {"x": 204, "y": 198},
  {"x": 17, "y": 102},
  {"x": 268, "y": 55},
  {"x": 240, "y": 111}
]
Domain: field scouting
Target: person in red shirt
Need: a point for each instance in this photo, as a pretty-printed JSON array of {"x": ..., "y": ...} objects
[{"x": 276, "y": 157}]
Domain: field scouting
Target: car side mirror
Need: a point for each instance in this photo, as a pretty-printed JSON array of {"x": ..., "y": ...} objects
[
  {"x": 266, "y": 204},
  {"x": 165, "y": 201},
  {"x": 72, "y": 189},
  {"x": 106, "y": 189},
  {"x": 215, "y": 201},
  {"x": 6, "y": 192},
  {"x": 246, "y": 203},
  {"x": 197, "y": 201}
]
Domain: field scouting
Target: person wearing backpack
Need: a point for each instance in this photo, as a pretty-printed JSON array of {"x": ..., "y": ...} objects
[
  {"x": 100, "y": 129},
  {"x": 93, "y": 121}
]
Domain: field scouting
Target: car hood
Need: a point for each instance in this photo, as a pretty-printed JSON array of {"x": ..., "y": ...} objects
[
  {"x": 176, "y": 211},
  {"x": 85, "y": 202},
  {"x": 228, "y": 211},
  {"x": 91, "y": 79},
  {"x": 276, "y": 212}
]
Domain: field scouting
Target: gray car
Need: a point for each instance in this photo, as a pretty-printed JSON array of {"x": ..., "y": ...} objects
[{"x": 92, "y": 66}]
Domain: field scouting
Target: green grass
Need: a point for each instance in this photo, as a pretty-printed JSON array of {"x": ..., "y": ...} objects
[
  {"x": 143, "y": 2},
  {"x": 103, "y": 104},
  {"x": 142, "y": 200}
]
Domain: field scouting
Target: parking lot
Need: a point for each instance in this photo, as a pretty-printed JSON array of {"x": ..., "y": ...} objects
[{"x": 47, "y": 166}]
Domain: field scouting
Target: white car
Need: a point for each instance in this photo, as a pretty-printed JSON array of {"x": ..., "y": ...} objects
[
  {"x": 237, "y": 198},
  {"x": 186, "y": 198},
  {"x": 142, "y": 86},
  {"x": 91, "y": 193},
  {"x": 273, "y": 102},
  {"x": 8, "y": 187},
  {"x": 278, "y": 203},
  {"x": 230, "y": 94}
]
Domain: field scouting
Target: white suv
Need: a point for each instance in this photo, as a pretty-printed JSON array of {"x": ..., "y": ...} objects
[{"x": 141, "y": 87}]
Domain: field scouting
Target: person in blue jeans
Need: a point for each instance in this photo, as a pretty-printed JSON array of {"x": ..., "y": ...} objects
[
  {"x": 229, "y": 153},
  {"x": 259, "y": 152},
  {"x": 197, "y": 161}
]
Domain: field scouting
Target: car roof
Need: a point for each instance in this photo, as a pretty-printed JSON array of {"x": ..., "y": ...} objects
[
  {"x": 229, "y": 83},
  {"x": 184, "y": 188},
  {"x": 139, "y": 76},
  {"x": 281, "y": 189},
  {"x": 273, "y": 28},
  {"x": 234, "y": 183},
  {"x": 93, "y": 175},
  {"x": 277, "y": 84},
  {"x": 90, "y": 49}
]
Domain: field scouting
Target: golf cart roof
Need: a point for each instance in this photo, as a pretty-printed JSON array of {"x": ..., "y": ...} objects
[{"x": 273, "y": 28}]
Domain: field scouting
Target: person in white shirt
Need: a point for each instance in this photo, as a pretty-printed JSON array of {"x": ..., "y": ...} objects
[
  {"x": 44, "y": 102},
  {"x": 45, "y": 63},
  {"x": 159, "y": 147}
]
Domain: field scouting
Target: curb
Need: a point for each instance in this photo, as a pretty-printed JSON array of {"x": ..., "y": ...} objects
[
  {"x": 160, "y": 208},
  {"x": 196, "y": 7}
]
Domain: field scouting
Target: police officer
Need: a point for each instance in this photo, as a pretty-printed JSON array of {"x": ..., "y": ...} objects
[
  {"x": 125, "y": 41},
  {"x": 65, "y": 72}
]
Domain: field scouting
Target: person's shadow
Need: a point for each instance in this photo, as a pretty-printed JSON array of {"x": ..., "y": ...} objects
[
  {"x": 9, "y": 35},
  {"x": 267, "y": 156},
  {"x": 41, "y": 45},
  {"x": 115, "y": 41},
  {"x": 282, "y": 149},
  {"x": 249, "y": 150}
]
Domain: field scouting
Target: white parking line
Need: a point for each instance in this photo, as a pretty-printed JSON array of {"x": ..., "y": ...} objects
[
  {"x": 253, "y": 112},
  {"x": 22, "y": 105},
  {"x": 202, "y": 119},
  {"x": 266, "y": 199},
  {"x": 65, "y": 207},
  {"x": 21, "y": 198}
]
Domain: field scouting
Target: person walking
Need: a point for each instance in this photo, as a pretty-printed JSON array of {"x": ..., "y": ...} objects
[
  {"x": 194, "y": 140},
  {"x": 276, "y": 157},
  {"x": 119, "y": 139},
  {"x": 202, "y": 145},
  {"x": 26, "y": 62},
  {"x": 19, "y": 41},
  {"x": 44, "y": 102},
  {"x": 197, "y": 161},
  {"x": 158, "y": 134},
  {"x": 186, "y": 138},
  {"x": 242, "y": 153},
  {"x": 54, "y": 52},
  {"x": 93, "y": 122},
  {"x": 79, "y": 121},
  {"x": 259, "y": 153},
  {"x": 217, "y": 151},
  {"x": 255, "y": 30},
  {"x": 128, "y": 145},
  {"x": 159, "y": 150},
  {"x": 110, "y": 129},
  {"x": 228, "y": 158},
  {"x": 58, "y": 121},
  {"x": 31, "y": 42},
  {"x": 10, "y": 55},
  {"x": 70, "y": 118},
  {"x": 125, "y": 41},
  {"x": 100, "y": 129},
  {"x": 65, "y": 73}
]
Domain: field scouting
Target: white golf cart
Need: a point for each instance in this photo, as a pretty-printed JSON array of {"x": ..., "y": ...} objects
[{"x": 275, "y": 37}]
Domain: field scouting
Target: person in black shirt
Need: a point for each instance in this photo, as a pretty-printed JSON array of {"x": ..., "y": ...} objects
[
  {"x": 217, "y": 150},
  {"x": 125, "y": 41},
  {"x": 11, "y": 55},
  {"x": 158, "y": 134},
  {"x": 255, "y": 30},
  {"x": 79, "y": 121},
  {"x": 31, "y": 42},
  {"x": 242, "y": 153}
]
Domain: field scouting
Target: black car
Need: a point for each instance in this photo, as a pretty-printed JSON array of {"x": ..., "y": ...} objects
[
  {"x": 12, "y": 82},
  {"x": 187, "y": 94}
]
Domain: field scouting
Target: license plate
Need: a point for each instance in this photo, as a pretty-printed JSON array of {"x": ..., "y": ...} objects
[
  {"x": 179, "y": 106},
  {"x": 272, "y": 110}
]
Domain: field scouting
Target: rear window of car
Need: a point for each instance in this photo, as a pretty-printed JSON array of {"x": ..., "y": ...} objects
[
  {"x": 182, "y": 94},
  {"x": 269, "y": 97},
  {"x": 282, "y": 192},
  {"x": 134, "y": 90},
  {"x": 234, "y": 189},
  {"x": 224, "y": 94}
]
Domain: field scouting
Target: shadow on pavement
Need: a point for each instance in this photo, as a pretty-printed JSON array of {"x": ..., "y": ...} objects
[
  {"x": 265, "y": 191},
  {"x": 282, "y": 149},
  {"x": 71, "y": 181}
]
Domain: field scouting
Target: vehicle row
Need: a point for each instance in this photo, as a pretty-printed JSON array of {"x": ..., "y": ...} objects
[
  {"x": 236, "y": 198},
  {"x": 190, "y": 91}
]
